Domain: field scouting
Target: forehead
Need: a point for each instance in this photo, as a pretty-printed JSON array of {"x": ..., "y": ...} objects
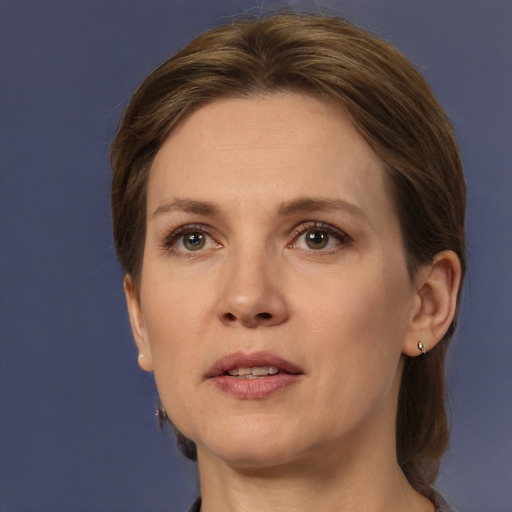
[{"x": 267, "y": 148}]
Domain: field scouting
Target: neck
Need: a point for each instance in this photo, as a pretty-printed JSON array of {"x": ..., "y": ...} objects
[{"x": 341, "y": 481}]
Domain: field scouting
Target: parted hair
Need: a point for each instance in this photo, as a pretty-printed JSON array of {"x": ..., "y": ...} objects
[{"x": 392, "y": 107}]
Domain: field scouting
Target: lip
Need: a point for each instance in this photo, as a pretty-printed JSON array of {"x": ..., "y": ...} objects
[
  {"x": 256, "y": 388},
  {"x": 240, "y": 359}
]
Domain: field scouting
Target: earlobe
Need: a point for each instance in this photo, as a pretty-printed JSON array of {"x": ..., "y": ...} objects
[
  {"x": 137, "y": 324},
  {"x": 437, "y": 287}
]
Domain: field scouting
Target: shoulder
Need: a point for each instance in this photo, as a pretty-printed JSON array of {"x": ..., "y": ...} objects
[
  {"x": 441, "y": 504},
  {"x": 196, "y": 506}
]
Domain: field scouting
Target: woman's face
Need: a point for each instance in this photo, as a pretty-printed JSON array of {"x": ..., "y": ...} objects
[{"x": 272, "y": 245}]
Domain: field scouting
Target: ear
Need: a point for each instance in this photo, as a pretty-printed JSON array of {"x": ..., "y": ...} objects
[
  {"x": 435, "y": 305},
  {"x": 138, "y": 324}
]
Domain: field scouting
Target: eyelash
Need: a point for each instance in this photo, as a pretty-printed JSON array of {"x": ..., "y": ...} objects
[
  {"x": 331, "y": 231},
  {"x": 170, "y": 239}
]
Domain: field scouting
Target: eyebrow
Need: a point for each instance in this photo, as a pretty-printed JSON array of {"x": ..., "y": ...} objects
[
  {"x": 188, "y": 206},
  {"x": 314, "y": 204},
  {"x": 295, "y": 206}
]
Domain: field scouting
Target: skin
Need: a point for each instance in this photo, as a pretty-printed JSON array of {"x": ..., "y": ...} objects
[{"x": 344, "y": 314}]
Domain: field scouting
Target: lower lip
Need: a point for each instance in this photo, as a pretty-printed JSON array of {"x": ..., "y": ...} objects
[{"x": 251, "y": 389}]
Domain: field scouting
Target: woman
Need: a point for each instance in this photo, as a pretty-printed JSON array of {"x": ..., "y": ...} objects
[{"x": 288, "y": 204}]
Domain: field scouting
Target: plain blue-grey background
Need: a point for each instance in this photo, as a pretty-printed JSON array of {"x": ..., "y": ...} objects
[{"x": 77, "y": 426}]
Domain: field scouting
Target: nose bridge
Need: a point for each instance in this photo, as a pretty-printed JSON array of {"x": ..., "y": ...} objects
[{"x": 251, "y": 293}]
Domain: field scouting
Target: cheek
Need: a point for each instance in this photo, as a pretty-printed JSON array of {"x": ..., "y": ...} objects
[
  {"x": 175, "y": 356},
  {"x": 178, "y": 312},
  {"x": 170, "y": 317},
  {"x": 359, "y": 321},
  {"x": 171, "y": 309},
  {"x": 358, "y": 355},
  {"x": 355, "y": 305}
]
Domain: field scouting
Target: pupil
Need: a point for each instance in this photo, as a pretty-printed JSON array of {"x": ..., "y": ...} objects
[
  {"x": 317, "y": 239},
  {"x": 194, "y": 241}
]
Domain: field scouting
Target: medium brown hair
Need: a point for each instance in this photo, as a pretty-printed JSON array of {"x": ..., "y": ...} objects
[{"x": 394, "y": 110}]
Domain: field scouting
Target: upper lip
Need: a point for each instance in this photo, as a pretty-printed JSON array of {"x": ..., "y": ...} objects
[{"x": 256, "y": 359}]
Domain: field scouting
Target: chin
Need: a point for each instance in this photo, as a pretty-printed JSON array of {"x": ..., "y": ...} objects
[
  {"x": 252, "y": 444},
  {"x": 251, "y": 458}
]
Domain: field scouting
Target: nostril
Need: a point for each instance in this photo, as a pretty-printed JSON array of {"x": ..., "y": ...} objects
[{"x": 263, "y": 318}]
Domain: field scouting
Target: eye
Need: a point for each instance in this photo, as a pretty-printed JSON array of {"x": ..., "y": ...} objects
[
  {"x": 193, "y": 241},
  {"x": 316, "y": 239},
  {"x": 317, "y": 236},
  {"x": 190, "y": 239}
]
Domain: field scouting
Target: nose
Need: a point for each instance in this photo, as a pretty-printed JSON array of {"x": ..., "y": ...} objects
[{"x": 251, "y": 293}]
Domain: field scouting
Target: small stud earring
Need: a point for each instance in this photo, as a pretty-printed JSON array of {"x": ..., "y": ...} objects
[
  {"x": 422, "y": 348},
  {"x": 161, "y": 414}
]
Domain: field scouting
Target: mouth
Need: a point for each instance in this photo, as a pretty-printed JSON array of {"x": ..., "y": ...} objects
[
  {"x": 253, "y": 376},
  {"x": 254, "y": 372},
  {"x": 252, "y": 366}
]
